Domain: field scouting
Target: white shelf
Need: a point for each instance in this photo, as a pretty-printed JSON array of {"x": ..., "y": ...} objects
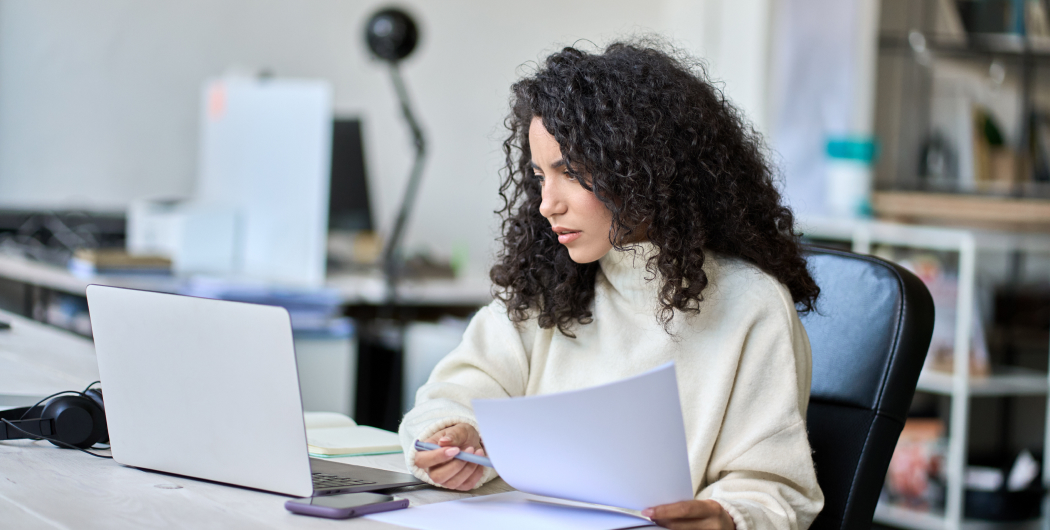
[
  {"x": 895, "y": 516},
  {"x": 932, "y": 237},
  {"x": 1007, "y": 381}
]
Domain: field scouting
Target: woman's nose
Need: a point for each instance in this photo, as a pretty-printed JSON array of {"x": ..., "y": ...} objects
[{"x": 551, "y": 203}]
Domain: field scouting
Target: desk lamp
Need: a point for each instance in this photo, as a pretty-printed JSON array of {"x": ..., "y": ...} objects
[{"x": 392, "y": 35}]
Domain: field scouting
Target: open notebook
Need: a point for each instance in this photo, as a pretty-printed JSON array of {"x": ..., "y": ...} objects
[{"x": 333, "y": 435}]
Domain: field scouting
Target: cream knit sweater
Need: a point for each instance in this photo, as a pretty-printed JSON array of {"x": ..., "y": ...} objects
[{"x": 743, "y": 366}]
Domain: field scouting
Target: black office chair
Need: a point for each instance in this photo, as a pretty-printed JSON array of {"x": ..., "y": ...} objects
[{"x": 869, "y": 335}]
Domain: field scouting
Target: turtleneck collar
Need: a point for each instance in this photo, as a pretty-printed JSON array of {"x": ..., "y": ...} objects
[{"x": 625, "y": 270}]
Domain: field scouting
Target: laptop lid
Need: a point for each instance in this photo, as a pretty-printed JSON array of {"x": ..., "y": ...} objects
[{"x": 203, "y": 388}]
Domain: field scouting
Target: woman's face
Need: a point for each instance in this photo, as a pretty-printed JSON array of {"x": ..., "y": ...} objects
[{"x": 581, "y": 221}]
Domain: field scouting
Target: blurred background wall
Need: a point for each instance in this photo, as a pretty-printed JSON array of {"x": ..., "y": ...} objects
[{"x": 99, "y": 100}]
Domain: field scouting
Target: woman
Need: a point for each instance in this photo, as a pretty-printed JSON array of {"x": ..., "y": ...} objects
[{"x": 642, "y": 225}]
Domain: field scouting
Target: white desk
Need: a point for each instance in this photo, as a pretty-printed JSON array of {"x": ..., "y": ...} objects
[
  {"x": 37, "y": 360},
  {"x": 352, "y": 288},
  {"x": 42, "y": 486}
]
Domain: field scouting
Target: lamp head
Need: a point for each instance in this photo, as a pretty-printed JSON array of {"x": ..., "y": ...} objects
[{"x": 391, "y": 34}]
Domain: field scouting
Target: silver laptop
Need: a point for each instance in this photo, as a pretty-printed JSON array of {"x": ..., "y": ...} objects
[{"x": 209, "y": 389}]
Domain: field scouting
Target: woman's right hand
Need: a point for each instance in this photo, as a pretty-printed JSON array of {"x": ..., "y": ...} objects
[{"x": 442, "y": 466}]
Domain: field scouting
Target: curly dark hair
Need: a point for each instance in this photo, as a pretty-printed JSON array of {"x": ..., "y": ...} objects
[{"x": 674, "y": 162}]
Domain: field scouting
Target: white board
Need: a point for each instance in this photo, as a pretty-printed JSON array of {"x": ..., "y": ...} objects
[{"x": 266, "y": 151}]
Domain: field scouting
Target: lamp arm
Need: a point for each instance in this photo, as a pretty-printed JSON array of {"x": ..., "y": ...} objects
[{"x": 392, "y": 251}]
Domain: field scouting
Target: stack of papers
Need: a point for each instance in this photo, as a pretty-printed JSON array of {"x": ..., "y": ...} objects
[
  {"x": 575, "y": 446},
  {"x": 511, "y": 511}
]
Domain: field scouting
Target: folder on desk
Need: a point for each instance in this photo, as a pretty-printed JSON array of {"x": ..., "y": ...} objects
[{"x": 334, "y": 435}]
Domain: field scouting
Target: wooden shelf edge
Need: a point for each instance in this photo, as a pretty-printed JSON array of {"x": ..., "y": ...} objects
[{"x": 972, "y": 210}]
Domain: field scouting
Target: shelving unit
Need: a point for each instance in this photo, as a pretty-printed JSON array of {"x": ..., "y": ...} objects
[
  {"x": 1013, "y": 381},
  {"x": 903, "y": 517},
  {"x": 960, "y": 386},
  {"x": 914, "y": 41},
  {"x": 993, "y": 45}
]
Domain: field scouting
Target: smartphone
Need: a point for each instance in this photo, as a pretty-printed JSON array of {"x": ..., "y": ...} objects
[{"x": 346, "y": 505}]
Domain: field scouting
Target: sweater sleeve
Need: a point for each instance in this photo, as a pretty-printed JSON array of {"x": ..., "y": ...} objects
[
  {"x": 761, "y": 470},
  {"x": 491, "y": 362}
]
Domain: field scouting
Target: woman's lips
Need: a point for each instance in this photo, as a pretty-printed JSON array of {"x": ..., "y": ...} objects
[{"x": 567, "y": 237}]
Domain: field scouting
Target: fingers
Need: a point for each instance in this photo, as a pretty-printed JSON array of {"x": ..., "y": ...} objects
[
  {"x": 472, "y": 481},
  {"x": 441, "y": 464},
  {"x": 449, "y": 472},
  {"x": 442, "y": 438},
  {"x": 450, "y": 437},
  {"x": 684, "y": 509},
  {"x": 469, "y": 476},
  {"x": 459, "y": 435},
  {"x": 690, "y": 515},
  {"x": 441, "y": 474},
  {"x": 461, "y": 477},
  {"x": 685, "y": 524},
  {"x": 428, "y": 459},
  {"x": 690, "y": 524}
]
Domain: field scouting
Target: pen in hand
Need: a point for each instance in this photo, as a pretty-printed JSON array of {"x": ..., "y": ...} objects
[{"x": 464, "y": 456}]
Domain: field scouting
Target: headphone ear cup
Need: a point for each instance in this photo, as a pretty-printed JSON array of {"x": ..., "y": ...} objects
[
  {"x": 74, "y": 422},
  {"x": 95, "y": 395}
]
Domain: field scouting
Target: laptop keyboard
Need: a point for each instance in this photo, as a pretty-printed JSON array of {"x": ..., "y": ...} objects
[{"x": 326, "y": 480}]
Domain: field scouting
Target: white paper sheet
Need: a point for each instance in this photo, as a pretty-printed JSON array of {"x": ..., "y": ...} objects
[
  {"x": 509, "y": 511},
  {"x": 621, "y": 444}
]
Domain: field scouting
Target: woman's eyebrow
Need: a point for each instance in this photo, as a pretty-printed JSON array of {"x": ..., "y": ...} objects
[{"x": 557, "y": 164}]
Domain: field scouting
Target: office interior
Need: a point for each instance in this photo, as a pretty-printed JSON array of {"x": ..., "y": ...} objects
[{"x": 917, "y": 131}]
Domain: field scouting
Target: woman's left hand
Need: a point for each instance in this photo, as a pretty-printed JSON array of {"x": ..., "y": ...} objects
[{"x": 691, "y": 515}]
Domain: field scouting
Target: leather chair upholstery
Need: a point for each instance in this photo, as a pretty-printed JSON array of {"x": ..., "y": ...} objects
[{"x": 869, "y": 334}]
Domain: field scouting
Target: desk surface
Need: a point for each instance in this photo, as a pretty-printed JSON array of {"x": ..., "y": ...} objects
[
  {"x": 352, "y": 288},
  {"x": 37, "y": 360},
  {"x": 43, "y": 486}
]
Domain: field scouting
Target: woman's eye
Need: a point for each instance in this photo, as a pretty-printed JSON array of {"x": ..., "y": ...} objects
[{"x": 537, "y": 176}]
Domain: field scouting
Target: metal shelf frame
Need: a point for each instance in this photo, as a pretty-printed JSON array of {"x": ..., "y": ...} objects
[{"x": 862, "y": 234}]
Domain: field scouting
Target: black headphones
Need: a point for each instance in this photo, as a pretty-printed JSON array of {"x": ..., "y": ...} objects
[{"x": 76, "y": 421}]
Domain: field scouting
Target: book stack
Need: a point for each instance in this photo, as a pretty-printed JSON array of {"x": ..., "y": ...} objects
[{"x": 94, "y": 261}]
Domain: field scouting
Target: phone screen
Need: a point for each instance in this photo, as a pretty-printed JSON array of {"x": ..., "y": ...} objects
[{"x": 349, "y": 500}]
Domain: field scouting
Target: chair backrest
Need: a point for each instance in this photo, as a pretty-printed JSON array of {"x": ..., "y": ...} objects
[{"x": 870, "y": 334}]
